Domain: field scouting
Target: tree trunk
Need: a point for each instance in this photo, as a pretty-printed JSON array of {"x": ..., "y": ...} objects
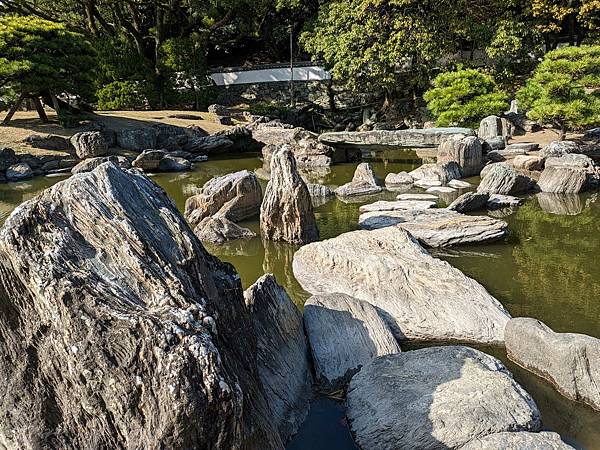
[
  {"x": 40, "y": 109},
  {"x": 13, "y": 109}
]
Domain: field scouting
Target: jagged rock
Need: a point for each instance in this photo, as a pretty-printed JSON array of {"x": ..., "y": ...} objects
[
  {"x": 364, "y": 182},
  {"x": 90, "y": 164},
  {"x": 465, "y": 151},
  {"x": 19, "y": 172},
  {"x": 344, "y": 334},
  {"x": 493, "y": 126},
  {"x": 383, "y": 205},
  {"x": 307, "y": 150},
  {"x": 170, "y": 137},
  {"x": 208, "y": 145},
  {"x": 575, "y": 161},
  {"x": 426, "y": 172},
  {"x": 521, "y": 440},
  {"x": 469, "y": 202},
  {"x": 7, "y": 158},
  {"x": 503, "y": 179},
  {"x": 438, "y": 397},
  {"x": 567, "y": 174},
  {"x": 560, "y": 204},
  {"x": 419, "y": 297},
  {"x": 319, "y": 191},
  {"x": 286, "y": 213},
  {"x": 416, "y": 138},
  {"x": 118, "y": 329},
  {"x": 218, "y": 230},
  {"x": 459, "y": 184},
  {"x": 497, "y": 201},
  {"x": 529, "y": 162},
  {"x": 559, "y": 148},
  {"x": 160, "y": 161},
  {"x": 438, "y": 227},
  {"x": 138, "y": 139},
  {"x": 571, "y": 362},
  {"x": 282, "y": 353},
  {"x": 449, "y": 171},
  {"x": 89, "y": 144},
  {"x": 398, "y": 179},
  {"x": 49, "y": 142},
  {"x": 417, "y": 197},
  {"x": 236, "y": 196}
]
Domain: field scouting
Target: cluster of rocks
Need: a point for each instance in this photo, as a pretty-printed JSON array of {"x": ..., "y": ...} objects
[{"x": 23, "y": 166}]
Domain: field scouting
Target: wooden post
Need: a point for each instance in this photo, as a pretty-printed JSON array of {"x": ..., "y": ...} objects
[
  {"x": 13, "y": 110},
  {"x": 40, "y": 109}
]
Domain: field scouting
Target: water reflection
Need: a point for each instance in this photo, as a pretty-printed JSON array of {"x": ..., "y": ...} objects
[{"x": 561, "y": 204}]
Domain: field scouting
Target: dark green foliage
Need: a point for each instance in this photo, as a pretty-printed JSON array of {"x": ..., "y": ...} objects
[
  {"x": 563, "y": 90},
  {"x": 38, "y": 56},
  {"x": 122, "y": 95},
  {"x": 464, "y": 97}
]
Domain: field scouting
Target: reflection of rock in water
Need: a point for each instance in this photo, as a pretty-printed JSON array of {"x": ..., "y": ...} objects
[
  {"x": 317, "y": 175},
  {"x": 502, "y": 212},
  {"x": 238, "y": 247},
  {"x": 561, "y": 204},
  {"x": 447, "y": 197},
  {"x": 190, "y": 189},
  {"x": 278, "y": 261}
]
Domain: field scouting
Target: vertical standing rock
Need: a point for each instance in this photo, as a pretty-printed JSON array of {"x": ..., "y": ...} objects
[
  {"x": 466, "y": 151},
  {"x": 282, "y": 353},
  {"x": 118, "y": 329},
  {"x": 287, "y": 213}
]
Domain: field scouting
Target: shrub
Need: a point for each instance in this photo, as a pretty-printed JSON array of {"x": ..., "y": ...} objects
[
  {"x": 121, "y": 95},
  {"x": 464, "y": 97},
  {"x": 563, "y": 90}
]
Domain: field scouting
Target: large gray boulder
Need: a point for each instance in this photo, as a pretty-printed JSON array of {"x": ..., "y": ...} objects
[
  {"x": 571, "y": 362},
  {"x": 236, "y": 196},
  {"x": 400, "y": 179},
  {"x": 218, "y": 230},
  {"x": 503, "y": 179},
  {"x": 286, "y": 213},
  {"x": 364, "y": 182},
  {"x": 493, "y": 127},
  {"x": 559, "y": 148},
  {"x": 567, "y": 174},
  {"x": 520, "y": 440},
  {"x": 208, "y": 145},
  {"x": 160, "y": 161},
  {"x": 438, "y": 227},
  {"x": 89, "y": 144},
  {"x": 469, "y": 202},
  {"x": 90, "y": 164},
  {"x": 344, "y": 334},
  {"x": 378, "y": 139},
  {"x": 118, "y": 329},
  {"x": 436, "y": 398},
  {"x": 419, "y": 297},
  {"x": 282, "y": 353},
  {"x": 138, "y": 139},
  {"x": 465, "y": 151}
]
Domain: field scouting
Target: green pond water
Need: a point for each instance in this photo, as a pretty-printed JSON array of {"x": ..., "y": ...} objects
[{"x": 545, "y": 269}]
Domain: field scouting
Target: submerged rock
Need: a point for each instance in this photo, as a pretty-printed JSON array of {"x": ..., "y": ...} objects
[
  {"x": 520, "y": 440},
  {"x": 503, "y": 179},
  {"x": 286, "y": 213},
  {"x": 438, "y": 397},
  {"x": 419, "y": 297},
  {"x": 132, "y": 331},
  {"x": 438, "y": 227},
  {"x": 364, "y": 182},
  {"x": 236, "y": 196},
  {"x": 571, "y": 362},
  {"x": 344, "y": 334},
  {"x": 469, "y": 202},
  {"x": 465, "y": 151},
  {"x": 218, "y": 230},
  {"x": 319, "y": 191},
  {"x": 282, "y": 353},
  {"x": 383, "y": 205}
]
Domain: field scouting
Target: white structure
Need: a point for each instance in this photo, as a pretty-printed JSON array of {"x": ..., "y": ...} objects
[{"x": 269, "y": 75}]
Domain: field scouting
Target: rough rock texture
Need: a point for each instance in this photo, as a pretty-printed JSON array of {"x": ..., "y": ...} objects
[
  {"x": 19, "y": 172},
  {"x": 438, "y": 227},
  {"x": 521, "y": 147},
  {"x": 344, "y": 334},
  {"x": 520, "y": 440},
  {"x": 425, "y": 138},
  {"x": 319, "y": 190},
  {"x": 493, "y": 126},
  {"x": 559, "y": 148},
  {"x": 286, "y": 213},
  {"x": 449, "y": 171},
  {"x": 307, "y": 150},
  {"x": 282, "y": 353},
  {"x": 90, "y": 164},
  {"x": 384, "y": 205},
  {"x": 236, "y": 196},
  {"x": 364, "y": 182},
  {"x": 398, "y": 179},
  {"x": 117, "y": 328},
  {"x": 497, "y": 201},
  {"x": 571, "y": 362},
  {"x": 160, "y": 161},
  {"x": 434, "y": 398},
  {"x": 209, "y": 145},
  {"x": 567, "y": 174},
  {"x": 137, "y": 139},
  {"x": 469, "y": 202},
  {"x": 49, "y": 142},
  {"x": 465, "y": 151},
  {"x": 89, "y": 144},
  {"x": 529, "y": 162},
  {"x": 7, "y": 158},
  {"x": 218, "y": 230},
  {"x": 419, "y": 297},
  {"x": 426, "y": 172},
  {"x": 503, "y": 179}
]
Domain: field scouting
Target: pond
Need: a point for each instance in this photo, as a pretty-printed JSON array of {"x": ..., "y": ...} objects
[{"x": 545, "y": 269}]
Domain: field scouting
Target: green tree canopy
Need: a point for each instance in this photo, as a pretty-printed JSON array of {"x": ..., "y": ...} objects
[
  {"x": 564, "y": 89},
  {"x": 40, "y": 57},
  {"x": 464, "y": 97}
]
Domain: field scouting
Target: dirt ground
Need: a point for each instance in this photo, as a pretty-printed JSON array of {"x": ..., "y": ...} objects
[{"x": 25, "y": 123}]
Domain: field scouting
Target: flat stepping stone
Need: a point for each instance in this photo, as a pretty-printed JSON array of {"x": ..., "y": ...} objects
[
  {"x": 459, "y": 184},
  {"x": 437, "y": 397},
  {"x": 417, "y": 197},
  {"x": 383, "y": 205},
  {"x": 425, "y": 183},
  {"x": 441, "y": 189},
  {"x": 497, "y": 201}
]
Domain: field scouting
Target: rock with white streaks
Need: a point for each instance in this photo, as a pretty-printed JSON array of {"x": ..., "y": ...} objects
[
  {"x": 568, "y": 174},
  {"x": 570, "y": 361},
  {"x": 520, "y": 440},
  {"x": 398, "y": 179},
  {"x": 497, "y": 201},
  {"x": 364, "y": 182},
  {"x": 218, "y": 230},
  {"x": 282, "y": 353},
  {"x": 344, "y": 334},
  {"x": 465, "y": 151},
  {"x": 503, "y": 179},
  {"x": 436, "y": 398},
  {"x": 384, "y": 205},
  {"x": 419, "y": 297},
  {"x": 89, "y": 144},
  {"x": 438, "y": 227},
  {"x": 286, "y": 213}
]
